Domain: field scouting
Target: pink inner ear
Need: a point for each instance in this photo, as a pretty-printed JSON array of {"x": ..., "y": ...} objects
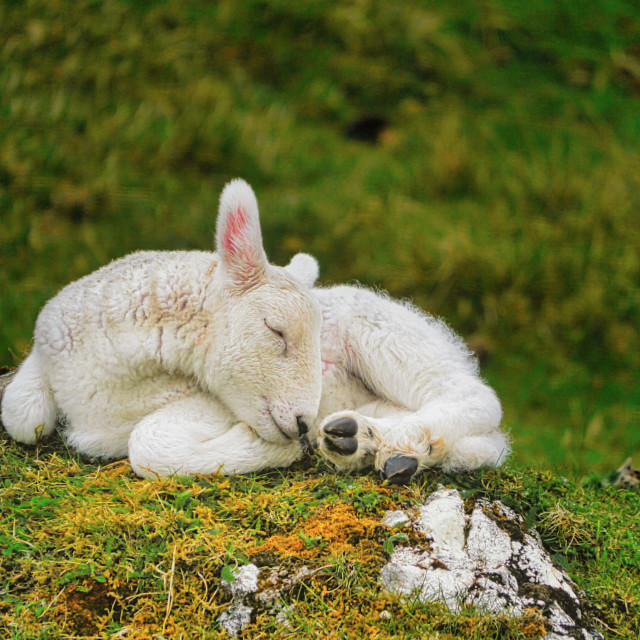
[{"x": 235, "y": 241}]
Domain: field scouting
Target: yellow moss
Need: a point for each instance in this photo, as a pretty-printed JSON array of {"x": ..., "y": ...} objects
[
  {"x": 532, "y": 624},
  {"x": 333, "y": 529}
]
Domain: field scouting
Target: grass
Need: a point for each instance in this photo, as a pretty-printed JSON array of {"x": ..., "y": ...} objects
[{"x": 90, "y": 550}]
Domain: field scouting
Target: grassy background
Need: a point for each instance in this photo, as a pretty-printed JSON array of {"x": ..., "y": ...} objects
[{"x": 504, "y": 194}]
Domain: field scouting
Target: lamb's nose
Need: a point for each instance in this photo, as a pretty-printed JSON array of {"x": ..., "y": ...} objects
[{"x": 303, "y": 428}]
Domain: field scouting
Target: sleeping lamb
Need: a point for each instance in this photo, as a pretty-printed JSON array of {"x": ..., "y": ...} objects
[{"x": 198, "y": 362}]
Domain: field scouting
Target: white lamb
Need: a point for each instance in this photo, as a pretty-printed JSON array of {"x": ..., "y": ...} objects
[{"x": 198, "y": 362}]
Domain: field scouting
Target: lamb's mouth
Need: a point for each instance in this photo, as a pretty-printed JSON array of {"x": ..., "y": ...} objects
[{"x": 280, "y": 429}]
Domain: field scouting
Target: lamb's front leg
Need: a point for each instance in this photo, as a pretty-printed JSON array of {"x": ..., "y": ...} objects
[{"x": 197, "y": 436}]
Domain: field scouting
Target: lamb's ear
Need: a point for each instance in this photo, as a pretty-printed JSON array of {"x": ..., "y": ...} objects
[
  {"x": 305, "y": 268},
  {"x": 238, "y": 235}
]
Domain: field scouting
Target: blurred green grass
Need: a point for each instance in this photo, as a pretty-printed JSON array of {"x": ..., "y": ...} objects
[{"x": 504, "y": 195}]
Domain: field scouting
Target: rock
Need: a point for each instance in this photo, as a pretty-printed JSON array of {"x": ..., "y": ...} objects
[
  {"x": 478, "y": 554},
  {"x": 282, "y": 616},
  {"x": 245, "y": 581},
  {"x": 238, "y": 615},
  {"x": 442, "y": 520},
  {"x": 245, "y": 591},
  {"x": 487, "y": 544},
  {"x": 627, "y": 476},
  {"x": 235, "y": 619},
  {"x": 485, "y": 558}
]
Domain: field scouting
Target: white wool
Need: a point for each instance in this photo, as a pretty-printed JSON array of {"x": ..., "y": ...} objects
[{"x": 198, "y": 362}]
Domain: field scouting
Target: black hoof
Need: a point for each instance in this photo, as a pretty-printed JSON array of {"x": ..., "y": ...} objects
[
  {"x": 343, "y": 446},
  {"x": 399, "y": 469},
  {"x": 343, "y": 427}
]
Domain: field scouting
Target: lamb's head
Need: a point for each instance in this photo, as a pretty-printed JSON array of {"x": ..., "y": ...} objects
[{"x": 267, "y": 358}]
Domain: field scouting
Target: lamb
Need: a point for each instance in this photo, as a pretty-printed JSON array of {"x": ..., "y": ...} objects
[{"x": 193, "y": 362}]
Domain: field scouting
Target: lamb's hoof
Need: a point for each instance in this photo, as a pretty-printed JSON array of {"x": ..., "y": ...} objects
[
  {"x": 339, "y": 436},
  {"x": 399, "y": 469},
  {"x": 342, "y": 427},
  {"x": 343, "y": 446},
  {"x": 347, "y": 441}
]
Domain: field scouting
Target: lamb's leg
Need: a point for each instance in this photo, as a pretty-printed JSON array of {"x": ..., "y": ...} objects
[
  {"x": 197, "y": 436},
  {"x": 444, "y": 413},
  {"x": 400, "y": 446},
  {"x": 28, "y": 408},
  {"x": 354, "y": 440}
]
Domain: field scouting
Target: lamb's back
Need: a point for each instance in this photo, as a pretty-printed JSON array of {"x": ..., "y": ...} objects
[{"x": 134, "y": 293}]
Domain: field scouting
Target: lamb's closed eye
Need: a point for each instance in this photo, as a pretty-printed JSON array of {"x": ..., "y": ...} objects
[{"x": 279, "y": 333}]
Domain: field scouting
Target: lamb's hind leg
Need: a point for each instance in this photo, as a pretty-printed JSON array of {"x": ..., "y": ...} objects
[
  {"x": 399, "y": 444},
  {"x": 197, "y": 435},
  {"x": 28, "y": 408},
  {"x": 371, "y": 437}
]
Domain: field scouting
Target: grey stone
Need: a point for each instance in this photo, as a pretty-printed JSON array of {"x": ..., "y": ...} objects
[
  {"x": 238, "y": 615},
  {"x": 394, "y": 518},
  {"x": 235, "y": 618},
  {"x": 472, "y": 560}
]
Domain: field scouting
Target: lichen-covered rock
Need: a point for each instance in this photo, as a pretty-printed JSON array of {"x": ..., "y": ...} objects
[
  {"x": 485, "y": 558},
  {"x": 394, "y": 518},
  {"x": 236, "y": 618},
  {"x": 249, "y": 593},
  {"x": 238, "y": 615},
  {"x": 245, "y": 581}
]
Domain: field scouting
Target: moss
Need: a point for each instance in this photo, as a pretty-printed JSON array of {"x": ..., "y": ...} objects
[
  {"x": 91, "y": 549},
  {"x": 335, "y": 530}
]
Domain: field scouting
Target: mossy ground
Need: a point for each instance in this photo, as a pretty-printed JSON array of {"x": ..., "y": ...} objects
[
  {"x": 90, "y": 550},
  {"x": 503, "y": 193}
]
